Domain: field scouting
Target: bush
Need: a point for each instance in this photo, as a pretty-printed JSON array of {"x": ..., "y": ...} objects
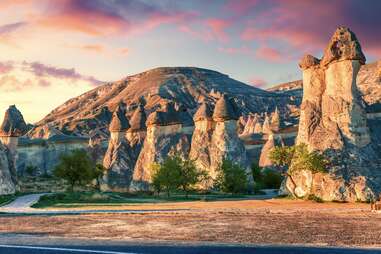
[
  {"x": 231, "y": 178},
  {"x": 76, "y": 168},
  {"x": 315, "y": 198}
]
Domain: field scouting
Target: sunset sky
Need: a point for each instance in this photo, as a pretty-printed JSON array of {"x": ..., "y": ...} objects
[{"x": 52, "y": 50}]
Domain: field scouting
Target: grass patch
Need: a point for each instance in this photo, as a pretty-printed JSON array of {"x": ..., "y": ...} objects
[
  {"x": 79, "y": 199},
  {"x": 6, "y": 199}
]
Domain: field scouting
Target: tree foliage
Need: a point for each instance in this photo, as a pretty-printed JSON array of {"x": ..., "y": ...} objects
[
  {"x": 76, "y": 168},
  {"x": 298, "y": 158},
  {"x": 231, "y": 178},
  {"x": 310, "y": 161},
  {"x": 174, "y": 174},
  {"x": 282, "y": 155}
]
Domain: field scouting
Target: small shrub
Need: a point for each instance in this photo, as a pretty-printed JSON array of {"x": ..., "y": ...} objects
[{"x": 315, "y": 198}]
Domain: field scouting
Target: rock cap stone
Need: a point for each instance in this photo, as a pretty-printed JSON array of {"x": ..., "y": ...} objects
[
  {"x": 13, "y": 124},
  {"x": 308, "y": 61},
  {"x": 343, "y": 46},
  {"x": 119, "y": 121},
  {"x": 167, "y": 115},
  {"x": 224, "y": 110}
]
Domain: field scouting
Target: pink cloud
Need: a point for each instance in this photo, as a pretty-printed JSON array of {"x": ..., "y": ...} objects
[
  {"x": 218, "y": 28},
  {"x": 240, "y": 6},
  {"x": 5, "y": 67},
  {"x": 306, "y": 26},
  {"x": 270, "y": 54},
  {"x": 98, "y": 18},
  {"x": 258, "y": 82}
]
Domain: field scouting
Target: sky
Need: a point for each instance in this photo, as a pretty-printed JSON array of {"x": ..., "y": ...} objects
[{"x": 52, "y": 50}]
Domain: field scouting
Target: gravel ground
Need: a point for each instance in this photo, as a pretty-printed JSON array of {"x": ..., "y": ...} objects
[{"x": 251, "y": 222}]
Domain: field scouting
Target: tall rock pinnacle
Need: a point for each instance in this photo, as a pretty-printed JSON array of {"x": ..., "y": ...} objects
[{"x": 333, "y": 121}]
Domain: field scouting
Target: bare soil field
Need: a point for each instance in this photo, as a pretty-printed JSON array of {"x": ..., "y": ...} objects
[{"x": 274, "y": 221}]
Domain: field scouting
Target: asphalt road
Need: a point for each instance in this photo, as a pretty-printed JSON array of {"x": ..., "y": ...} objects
[{"x": 178, "y": 249}]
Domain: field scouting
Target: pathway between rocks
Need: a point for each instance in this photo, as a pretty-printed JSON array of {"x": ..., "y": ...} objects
[{"x": 22, "y": 203}]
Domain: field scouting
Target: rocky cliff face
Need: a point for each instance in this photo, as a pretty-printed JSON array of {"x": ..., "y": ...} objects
[
  {"x": 186, "y": 86},
  {"x": 333, "y": 121}
]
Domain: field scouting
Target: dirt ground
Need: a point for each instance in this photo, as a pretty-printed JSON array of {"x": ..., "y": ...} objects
[{"x": 249, "y": 221}]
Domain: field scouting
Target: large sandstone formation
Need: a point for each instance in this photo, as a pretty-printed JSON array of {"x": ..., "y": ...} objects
[
  {"x": 225, "y": 143},
  {"x": 333, "y": 121},
  {"x": 119, "y": 159},
  {"x": 169, "y": 131}
]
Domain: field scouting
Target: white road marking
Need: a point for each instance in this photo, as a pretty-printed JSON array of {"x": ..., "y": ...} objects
[{"x": 63, "y": 249}]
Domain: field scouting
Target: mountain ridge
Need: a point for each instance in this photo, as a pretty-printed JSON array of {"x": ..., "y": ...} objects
[{"x": 186, "y": 86}]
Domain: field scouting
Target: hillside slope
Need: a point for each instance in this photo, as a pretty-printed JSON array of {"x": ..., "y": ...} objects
[{"x": 186, "y": 86}]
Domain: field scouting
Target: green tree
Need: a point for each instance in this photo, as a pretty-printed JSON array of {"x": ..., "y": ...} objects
[
  {"x": 305, "y": 160},
  {"x": 76, "y": 168},
  {"x": 282, "y": 155},
  {"x": 166, "y": 176},
  {"x": 97, "y": 173},
  {"x": 297, "y": 158},
  {"x": 231, "y": 178},
  {"x": 175, "y": 173},
  {"x": 190, "y": 175},
  {"x": 156, "y": 178}
]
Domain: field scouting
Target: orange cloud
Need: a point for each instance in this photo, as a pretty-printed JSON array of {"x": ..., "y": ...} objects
[{"x": 124, "y": 51}]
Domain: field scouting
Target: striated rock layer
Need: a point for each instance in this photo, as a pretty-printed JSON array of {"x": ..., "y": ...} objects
[{"x": 333, "y": 120}]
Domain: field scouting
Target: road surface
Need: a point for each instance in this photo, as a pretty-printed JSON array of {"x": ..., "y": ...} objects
[{"x": 175, "y": 249}]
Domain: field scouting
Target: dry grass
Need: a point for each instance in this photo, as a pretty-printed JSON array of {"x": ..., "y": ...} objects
[{"x": 260, "y": 222}]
